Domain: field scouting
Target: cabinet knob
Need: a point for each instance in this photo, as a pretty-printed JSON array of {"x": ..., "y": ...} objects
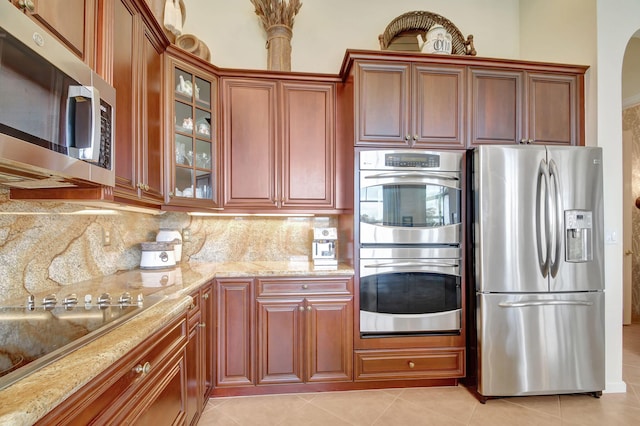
[
  {"x": 523, "y": 141},
  {"x": 301, "y": 308},
  {"x": 309, "y": 308},
  {"x": 205, "y": 296},
  {"x": 628, "y": 252},
  {"x": 415, "y": 138},
  {"x": 144, "y": 369},
  {"x": 202, "y": 325},
  {"x": 27, "y": 4},
  {"x": 530, "y": 141},
  {"x": 412, "y": 364},
  {"x": 407, "y": 138},
  {"x": 305, "y": 286}
]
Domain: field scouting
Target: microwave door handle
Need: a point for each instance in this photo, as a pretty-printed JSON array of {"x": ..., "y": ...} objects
[
  {"x": 558, "y": 234},
  {"x": 83, "y": 122},
  {"x": 409, "y": 175}
]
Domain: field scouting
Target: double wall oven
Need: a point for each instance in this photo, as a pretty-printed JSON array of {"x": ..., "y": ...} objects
[{"x": 410, "y": 232}]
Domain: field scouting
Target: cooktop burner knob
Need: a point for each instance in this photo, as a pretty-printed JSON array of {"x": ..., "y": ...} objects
[
  {"x": 125, "y": 298},
  {"x": 104, "y": 300},
  {"x": 49, "y": 301},
  {"x": 70, "y": 301},
  {"x": 31, "y": 302}
]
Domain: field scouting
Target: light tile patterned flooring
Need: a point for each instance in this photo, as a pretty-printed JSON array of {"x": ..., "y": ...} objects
[{"x": 436, "y": 406}]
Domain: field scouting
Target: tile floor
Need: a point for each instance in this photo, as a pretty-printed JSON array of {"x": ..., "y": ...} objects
[{"x": 436, "y": 406}]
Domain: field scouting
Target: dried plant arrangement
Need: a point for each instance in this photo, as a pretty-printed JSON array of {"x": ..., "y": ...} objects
[
  {"x": 277, "y": 12},
  {"x": 277, "y": 19}
]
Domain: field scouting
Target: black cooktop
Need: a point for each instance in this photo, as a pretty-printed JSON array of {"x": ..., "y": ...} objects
[{"x": 34, "y": 336}]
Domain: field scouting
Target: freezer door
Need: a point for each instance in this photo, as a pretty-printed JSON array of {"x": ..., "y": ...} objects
[
  {"x": 576, "y": 178},
  {"x": 534, "y": 344},
  {"x": 510, "y": 225}
]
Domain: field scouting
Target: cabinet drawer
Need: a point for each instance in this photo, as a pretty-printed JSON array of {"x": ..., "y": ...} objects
[
  {"x": 120, "y": 386},
  {"x": 409, "y": 364},
  {"x": 304, "y": 287}
]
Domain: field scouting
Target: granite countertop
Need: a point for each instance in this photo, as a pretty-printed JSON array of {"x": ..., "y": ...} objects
[{"x": 32, "y": 397}]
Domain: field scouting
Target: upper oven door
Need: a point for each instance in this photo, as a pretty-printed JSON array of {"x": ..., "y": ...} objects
[{"x": 409, "y": 207}]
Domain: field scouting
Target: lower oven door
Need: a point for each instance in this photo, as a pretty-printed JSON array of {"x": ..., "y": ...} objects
[{"x": 410, "y": 295}]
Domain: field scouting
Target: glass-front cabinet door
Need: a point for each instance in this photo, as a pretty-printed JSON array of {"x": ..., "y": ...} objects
[{"x": 194, "y": 134}]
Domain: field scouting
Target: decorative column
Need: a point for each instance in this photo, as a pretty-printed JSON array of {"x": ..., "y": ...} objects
[{"x": 277, "y": 19}]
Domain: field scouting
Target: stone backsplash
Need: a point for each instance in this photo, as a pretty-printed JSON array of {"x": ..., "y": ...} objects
[{"x": 44, "y": 248}]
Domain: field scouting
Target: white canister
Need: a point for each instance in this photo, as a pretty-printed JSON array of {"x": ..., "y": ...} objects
[
  {"x": 158, "y": 255},
  {"x": 438, "y": 41},
  {"x": 172, "y": 235}
]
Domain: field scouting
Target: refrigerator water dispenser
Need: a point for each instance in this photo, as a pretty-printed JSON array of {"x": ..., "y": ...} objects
[{"x": 578, "y": 235}]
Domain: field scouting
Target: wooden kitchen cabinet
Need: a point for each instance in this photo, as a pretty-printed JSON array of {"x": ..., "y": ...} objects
[
  {"x": 400, "y": 104},
  {"x": 71, "y": 21},
  {"x": 193, "y": 149},
  {"x": 130, "y": 50},
  {"x": 527, "y": 107},
  {"x": 146, "y": 386},
  {"x": 409, "y": 364},
  {"x": 304, "y": 330},
  {"x": 235, "y": 331},
  {"x": 279, "y": 144},
  {"x": 199, "y": 353}
]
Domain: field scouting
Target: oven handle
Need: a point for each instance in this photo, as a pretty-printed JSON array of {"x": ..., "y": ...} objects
[
  {"x": 413, "y": 175},
  {"x": 409, "y": 264}
]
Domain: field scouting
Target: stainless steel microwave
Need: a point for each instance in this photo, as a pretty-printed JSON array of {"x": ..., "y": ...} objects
[{"x": 56, "y": 114}]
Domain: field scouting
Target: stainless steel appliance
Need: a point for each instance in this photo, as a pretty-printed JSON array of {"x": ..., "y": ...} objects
[
  {"x": 324, "y": 248},
  {"x": 409, "y": 256},
  {"x": 56, "y": 114},
  {"x": 539, "y": 275},
  {"x": 410, "y": 290},
  {"x": 409, "y": 197}
]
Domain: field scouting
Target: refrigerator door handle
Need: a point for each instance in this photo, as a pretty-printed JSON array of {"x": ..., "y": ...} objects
[
  {"x": 557, "y": 220},
  {"x": 543, "y": 260},
  {"x": 544, "y": 303}
]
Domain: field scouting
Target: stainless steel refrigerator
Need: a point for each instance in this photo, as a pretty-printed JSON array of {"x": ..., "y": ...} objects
[{"x": 538, "y": 270}]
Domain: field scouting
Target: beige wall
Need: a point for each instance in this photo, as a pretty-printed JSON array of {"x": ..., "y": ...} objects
[
  {"x": 631, "y": 73},
  {"x": 324, "y": 29}
]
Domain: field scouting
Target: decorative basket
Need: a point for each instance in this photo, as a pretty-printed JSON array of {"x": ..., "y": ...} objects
[{"x": 422, "y": 20}]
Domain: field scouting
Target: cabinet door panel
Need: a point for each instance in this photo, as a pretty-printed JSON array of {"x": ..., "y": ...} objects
[
  {"x": 496, "y": 106},
  {"x": 330, "y": 339},
  {"x": 124, "y": 57},
  {"x": 438, "y": 101},
  {"x": 249, "y": 143},
  {"x": 152, "y": 147},
  {"x": 553, "y": 109},
  {"x": 382, "y": 103},
  {"x": 65, "y": 19},
  {"x": 308, "y": 144},
  {"x": 234, "y": 332},
  {"x": 280, "y": 348}
]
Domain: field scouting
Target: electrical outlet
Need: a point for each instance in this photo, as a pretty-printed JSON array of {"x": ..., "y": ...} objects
[
  {"x": 186, "y": 234},
  {"x": 106, "y": 237}
]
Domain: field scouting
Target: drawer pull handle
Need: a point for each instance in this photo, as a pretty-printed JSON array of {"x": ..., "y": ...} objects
[
  {"x": 412, "y": 364},
  {"x": 144, "y": 369},
  {"x": 202, "y": 325}
]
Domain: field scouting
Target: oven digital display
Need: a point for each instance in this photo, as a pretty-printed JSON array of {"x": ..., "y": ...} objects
[{"x": 412, "y": 160}]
